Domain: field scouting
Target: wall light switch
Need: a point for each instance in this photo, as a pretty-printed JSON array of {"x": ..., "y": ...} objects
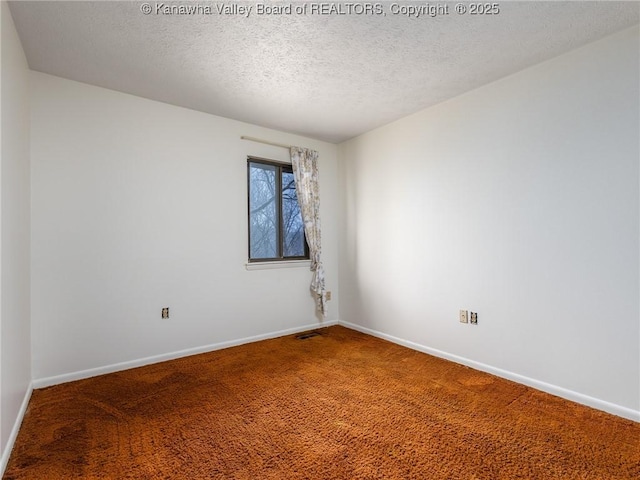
[{"x": 464, "y": 318}]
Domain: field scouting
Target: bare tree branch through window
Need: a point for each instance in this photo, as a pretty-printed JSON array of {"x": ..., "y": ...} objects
[{"x": 276, "y": 231}]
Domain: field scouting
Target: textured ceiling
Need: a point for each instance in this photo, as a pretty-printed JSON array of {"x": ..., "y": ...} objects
[{"x": 329, "y": 77}]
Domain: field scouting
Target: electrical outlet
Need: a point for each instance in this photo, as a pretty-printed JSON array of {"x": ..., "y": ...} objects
[
  {"x": 327, "y": 295},
  {"x": 464, "y": 318},
  {"x": 165, "y": 312},
  {"x": 473, "y": 319}
]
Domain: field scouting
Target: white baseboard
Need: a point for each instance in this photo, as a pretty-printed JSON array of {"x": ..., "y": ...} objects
[
  {"x": 8, "y": 448},
  {"x": 116, "y": 367},
  {"x": 596, "y": 403}
]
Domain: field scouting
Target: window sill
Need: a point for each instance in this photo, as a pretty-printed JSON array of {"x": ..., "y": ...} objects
[{"x": 278, "y": 264}]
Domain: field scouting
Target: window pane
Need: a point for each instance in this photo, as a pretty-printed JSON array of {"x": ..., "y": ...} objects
[
  {"x": 293, "y": 228},
  {"x": 263, "y": 218}
]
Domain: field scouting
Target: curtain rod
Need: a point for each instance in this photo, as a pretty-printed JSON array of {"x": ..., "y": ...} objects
[{"x": 274, "y": 144}]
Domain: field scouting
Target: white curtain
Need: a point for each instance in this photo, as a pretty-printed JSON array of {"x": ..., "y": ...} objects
[{"x": 305, "y": 172}]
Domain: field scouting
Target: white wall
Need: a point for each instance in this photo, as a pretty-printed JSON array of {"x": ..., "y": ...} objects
[
  {"x": 15, "y": 357},
  {"x": 519, "y": 201},
  {"x": 138, "y": 205}
]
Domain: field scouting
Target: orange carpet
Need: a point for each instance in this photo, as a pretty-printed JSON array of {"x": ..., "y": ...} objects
[{"x": 342, "y": 405}]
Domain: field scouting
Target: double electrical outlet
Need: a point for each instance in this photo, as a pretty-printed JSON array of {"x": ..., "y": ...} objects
[{"x": 468, "y": 317}]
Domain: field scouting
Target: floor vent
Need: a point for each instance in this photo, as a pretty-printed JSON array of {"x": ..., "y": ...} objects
[{"x": 304, "y": 336}]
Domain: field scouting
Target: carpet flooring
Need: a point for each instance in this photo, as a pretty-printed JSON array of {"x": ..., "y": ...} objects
[{"x": 341, "y": 405}]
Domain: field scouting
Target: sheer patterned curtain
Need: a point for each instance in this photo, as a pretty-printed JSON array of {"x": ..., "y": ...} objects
[{"x": 305, "y": 171}]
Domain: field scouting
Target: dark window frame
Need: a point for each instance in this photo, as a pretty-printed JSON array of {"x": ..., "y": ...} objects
[{"x": 281, "y": 167}]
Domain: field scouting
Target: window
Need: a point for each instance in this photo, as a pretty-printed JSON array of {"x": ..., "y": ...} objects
[{"x": 276, "y": 231}]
